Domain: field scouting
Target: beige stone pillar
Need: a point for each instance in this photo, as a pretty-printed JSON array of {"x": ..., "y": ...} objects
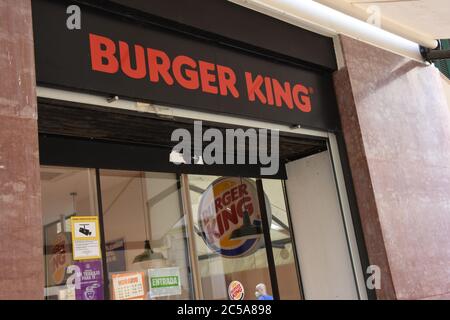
[{"x": 396, "y": 125}]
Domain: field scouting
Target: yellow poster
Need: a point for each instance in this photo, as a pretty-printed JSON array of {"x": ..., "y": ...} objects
[{"x": 85, "y": 238}]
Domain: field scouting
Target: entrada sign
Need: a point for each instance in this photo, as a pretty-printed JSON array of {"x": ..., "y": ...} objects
[{"x": 111, "y": 55}]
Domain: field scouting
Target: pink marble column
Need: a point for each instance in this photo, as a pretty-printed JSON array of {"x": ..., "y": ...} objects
[
  {"x": 396, "y": 124},
  {"x": 21, "y": 253}
]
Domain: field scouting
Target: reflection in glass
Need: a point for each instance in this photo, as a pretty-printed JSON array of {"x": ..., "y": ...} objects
[
  {"x": 282, "y": 242},
  {"x": 66, "y": 193},
  {"x": 145, "y": 235},
  {"x": 233, "y": 248}
]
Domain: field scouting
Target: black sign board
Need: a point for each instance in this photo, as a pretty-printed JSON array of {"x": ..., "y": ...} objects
[
  {"x": 113, "y": 55},
  {"x": 228, "y": 21}
]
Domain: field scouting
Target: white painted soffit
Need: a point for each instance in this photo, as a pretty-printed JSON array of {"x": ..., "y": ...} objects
[
  {"x": 429, "y": 17},
  {"x": 382, "y": 13}
]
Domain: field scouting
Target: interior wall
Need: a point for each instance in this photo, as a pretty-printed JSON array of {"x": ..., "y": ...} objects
[
  {"x": 395, "y": 119},
  {"x": 123, "y": 217},
  {"x": 324, "y": 258},
  {"x": 56, "y": 194},
  {"x": 127, "y": 200}
]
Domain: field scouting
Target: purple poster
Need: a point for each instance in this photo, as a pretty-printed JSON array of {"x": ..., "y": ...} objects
[{"x": 91, "y": 281}]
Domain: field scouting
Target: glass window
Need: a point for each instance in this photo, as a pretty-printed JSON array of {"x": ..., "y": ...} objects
[
  {"x": 229, "y": 240},
  {"x": 282, "y": 242},
  {"x": 145, "y": 235},
  {"x": 67, "y": 193},
  {"x": 144, "y": 240},
  {"x": 135, "y": 244}
]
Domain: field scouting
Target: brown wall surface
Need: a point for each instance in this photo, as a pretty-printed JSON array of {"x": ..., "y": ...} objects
[
  {"x": 21, "y": 264},
  {"x": 396, "y": 125}
]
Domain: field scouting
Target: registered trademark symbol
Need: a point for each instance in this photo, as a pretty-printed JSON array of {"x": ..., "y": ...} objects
[{"x": 311, "y": 90}]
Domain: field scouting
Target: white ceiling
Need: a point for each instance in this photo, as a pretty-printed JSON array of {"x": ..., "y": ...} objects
[{"x": 430, "y": 17}]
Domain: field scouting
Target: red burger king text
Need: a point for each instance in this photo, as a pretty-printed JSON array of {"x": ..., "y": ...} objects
[
  {"x": 109, "y": 56},
  {"x": 227, "y": 208}
]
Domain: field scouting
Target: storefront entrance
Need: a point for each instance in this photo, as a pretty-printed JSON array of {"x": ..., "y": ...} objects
[
  {"x": 125, "y": 220},
  {"x": 198, "y": 234},
  {"x": 147, "y": 233}
]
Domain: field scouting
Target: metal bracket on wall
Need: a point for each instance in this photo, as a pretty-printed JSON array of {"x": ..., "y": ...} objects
[
  {"x": 160, "y": 111},
  {"x": 432, "y": 55}
]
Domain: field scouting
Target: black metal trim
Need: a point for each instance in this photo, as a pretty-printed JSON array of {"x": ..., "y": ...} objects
[
  {"x": 186, "y": 234},
  {"x": 267, "y": 240},
  {"x": 354, "y": 210},
  {"x": 434, "y": 55},
  {"x": 68, "y": 151},
  {"x": 438, "y": 53},
  {"x": 102, "y": 236}
]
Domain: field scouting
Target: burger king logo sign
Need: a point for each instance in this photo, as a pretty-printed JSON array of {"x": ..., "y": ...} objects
[
  {"x": 229, "y": 217},
  {"x": 236, "y": 291}
]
